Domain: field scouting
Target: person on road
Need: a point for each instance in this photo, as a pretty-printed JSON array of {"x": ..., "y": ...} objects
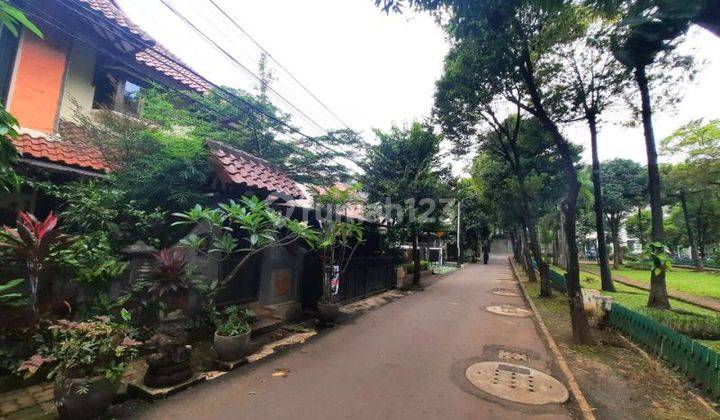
[{"x": 486, "y": 252}]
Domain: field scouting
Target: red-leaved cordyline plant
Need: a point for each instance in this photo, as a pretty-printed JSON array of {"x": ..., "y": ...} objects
[
  {"x": 31, "y": 242},
  {"x": 171, "y": 274}
]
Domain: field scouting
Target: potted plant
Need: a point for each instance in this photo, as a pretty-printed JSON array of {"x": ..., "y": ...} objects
[
  {"x": 87, "y": 360},
  {"x": 336, "y": 239},
  {"x": 232, "y": 336},
  {"x": 170, "y": 279}
]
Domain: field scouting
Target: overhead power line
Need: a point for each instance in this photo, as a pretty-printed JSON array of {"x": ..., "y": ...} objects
[
  {"x": 140, "y": 43},
  {"x": 234, "y": 23},
  {"x": 240, "y": 65},
  {"x": 50, "y": 20}
]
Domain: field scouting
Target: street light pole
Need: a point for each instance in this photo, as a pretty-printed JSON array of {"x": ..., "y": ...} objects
[{"x": 459, "y": 259}]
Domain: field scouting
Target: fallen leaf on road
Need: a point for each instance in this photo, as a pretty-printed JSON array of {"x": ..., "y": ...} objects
[
  {"x": 252, "y": 393},
  {"x": 280, "y": 373}
]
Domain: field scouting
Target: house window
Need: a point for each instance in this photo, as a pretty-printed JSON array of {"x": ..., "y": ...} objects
[
  {"x": 117, "y": 92},
  {"x": 131, "y": 98},
  {"x": 8, "y": 50}
]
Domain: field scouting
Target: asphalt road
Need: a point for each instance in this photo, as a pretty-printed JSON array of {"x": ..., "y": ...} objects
[{"x": 404, "y": 360}]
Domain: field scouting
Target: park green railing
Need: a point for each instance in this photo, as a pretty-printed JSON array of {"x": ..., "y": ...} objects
[{"x": 700, "y": 364}]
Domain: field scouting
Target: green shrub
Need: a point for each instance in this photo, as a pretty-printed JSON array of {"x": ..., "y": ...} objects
[
  {"x": 85, "y": 350},
  {"x": 235, "y": 321},
  {"x": 638, "y": 265},
  {"x": 410, "y": 267},
  {"x": 691, "y": 324}
]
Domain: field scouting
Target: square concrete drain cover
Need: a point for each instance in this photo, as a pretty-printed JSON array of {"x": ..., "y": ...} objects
[
  {"x": 509, "y": 355},
  {"x": 516, "y": 383},
  {"x": 509, "y": 310}
]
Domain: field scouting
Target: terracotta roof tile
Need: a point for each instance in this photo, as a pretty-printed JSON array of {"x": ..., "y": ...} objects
[
  {"x": 234, "y": 166},
  {"x": 72, "y": 148},
  {"x": 157, "y": 57}
]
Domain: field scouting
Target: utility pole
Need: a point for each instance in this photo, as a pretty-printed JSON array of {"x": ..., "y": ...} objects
[{"x": 459, "y": 256}]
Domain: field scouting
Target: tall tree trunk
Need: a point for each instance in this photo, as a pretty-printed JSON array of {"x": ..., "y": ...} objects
[
  {"x": 605, "y": 275},
  {"x": 534, "y": 244},
  {"x": 688, "y": 228},
  {"x": 563, "y": 255},
  {"x": 416, "y": 256},
  {"x": 580, "y": 325},
  {"x": 641, "y": 233},
  {"x": 658, "y": 297},
  {"x": 614, "y": 222},
  {"x": 527, "y": 257},
  {"x": 517, "y": 247},
  {"x": 556, "y": 248},
  {"x": 545, "y": 287},
  {"x": 701, "y": 230}
]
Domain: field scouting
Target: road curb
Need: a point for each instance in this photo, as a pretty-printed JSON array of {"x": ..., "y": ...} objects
[{"x": 577, "y": 394}]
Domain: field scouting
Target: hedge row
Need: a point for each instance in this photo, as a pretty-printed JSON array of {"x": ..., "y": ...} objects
[{"x": 410, "y": 267}]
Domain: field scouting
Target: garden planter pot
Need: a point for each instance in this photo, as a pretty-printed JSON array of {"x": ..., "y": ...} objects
[
  {"x": 232, "y": 348},
  {"x": 87, "y": 405},
  {"x": 329, "y": 312}
]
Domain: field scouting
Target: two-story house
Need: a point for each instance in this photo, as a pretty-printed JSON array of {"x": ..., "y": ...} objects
[{"x": 92, "y": 57}]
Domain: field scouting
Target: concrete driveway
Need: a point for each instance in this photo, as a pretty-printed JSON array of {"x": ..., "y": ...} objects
[{"x": 405, "y": 360}]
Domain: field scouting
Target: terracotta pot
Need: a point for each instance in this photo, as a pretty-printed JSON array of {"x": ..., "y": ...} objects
[
  {"x": 86, "y": 405},
  {"x": 232, "y": 348},
  {"x": 329, "y": 312}
]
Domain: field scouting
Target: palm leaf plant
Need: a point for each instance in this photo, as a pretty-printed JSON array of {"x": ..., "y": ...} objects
[
  {"x": 241, "y": 228},
  {"x": 339, "y": 239},
  {"x": 337, "y": 244}
]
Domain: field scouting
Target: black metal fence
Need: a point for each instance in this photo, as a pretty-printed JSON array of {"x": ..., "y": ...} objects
[{"x": 366, "y": 276}]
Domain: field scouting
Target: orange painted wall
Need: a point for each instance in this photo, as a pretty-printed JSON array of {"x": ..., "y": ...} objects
[{"x": 37, "y": 85}]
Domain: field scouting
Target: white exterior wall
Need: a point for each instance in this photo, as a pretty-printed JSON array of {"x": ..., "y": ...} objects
[{"x": 78, "y": 80}]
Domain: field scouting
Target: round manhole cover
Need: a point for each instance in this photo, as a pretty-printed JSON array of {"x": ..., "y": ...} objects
[
  {"x": 505, "y": 292},
  {"x": 516, "y": 383},
  {"x": 509, "y": 310}
]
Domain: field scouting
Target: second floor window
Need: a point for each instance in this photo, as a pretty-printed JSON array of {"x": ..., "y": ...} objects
[
  {"x": 8, "y": 50},
  {"x": 117, "y": 92}
]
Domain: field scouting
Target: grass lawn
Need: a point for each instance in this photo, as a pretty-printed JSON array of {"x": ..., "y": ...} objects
[
  {"x": 632, "y": 297},
  {"x": 680, "y": 279},
  {"x": 618, "y": 381}
]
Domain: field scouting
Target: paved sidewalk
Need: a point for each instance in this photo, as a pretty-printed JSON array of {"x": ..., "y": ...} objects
[
  {"x": 404, "y": 360},
  {"x": 31, "y": 402},
  {"x": 701, "y": 301}
]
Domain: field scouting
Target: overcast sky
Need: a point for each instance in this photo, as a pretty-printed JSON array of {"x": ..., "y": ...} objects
[{"x": 370, "y": 69}]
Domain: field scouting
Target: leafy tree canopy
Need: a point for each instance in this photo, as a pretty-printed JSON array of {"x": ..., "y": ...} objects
[{"x": 624, "y": 184}]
